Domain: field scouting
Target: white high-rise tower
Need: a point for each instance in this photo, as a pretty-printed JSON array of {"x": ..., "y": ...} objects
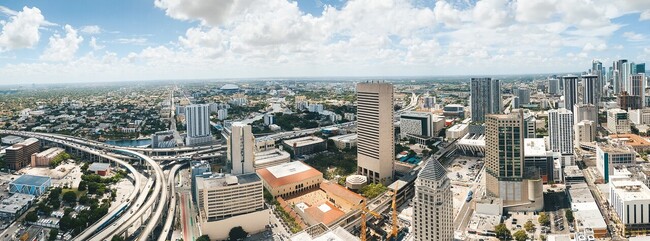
[
  {"x": 241, "y": 149},
  {"x": 197, "y": 118},
  {"x": 560, "y": 130}
]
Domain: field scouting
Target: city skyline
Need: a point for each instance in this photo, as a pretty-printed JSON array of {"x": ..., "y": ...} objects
[{"x": 75, "y": 41}]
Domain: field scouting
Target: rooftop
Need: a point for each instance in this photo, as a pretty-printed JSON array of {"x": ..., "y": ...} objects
[
  {"x": 286, "y": 173},
  {"x": 631, "y": 190},
  {"x": 457, "y": 127},
  {"x": 433, "y": 170},
  {"x": 270, "y": 156},
  {"x": 347, "y": 137},
  {"x": 338, "y": 234},
  {"x": 223, "y": 180},
  {"x": 303, "y": 141},
  {"x": 416, "y": 114},
  {"x": 23, "y": 143},
  {"x": 630, "y": 139},
  {"x": 534, "y": 147},
  {"x": 31, "y": 180},
  {"x": 15, "y": 202},
  {"x": 573, "y": 171},
  {"x": 615, "y": 148},
  {"x": 97, "y": 166}
]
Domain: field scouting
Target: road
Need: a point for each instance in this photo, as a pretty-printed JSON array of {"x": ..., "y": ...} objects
[{"x": 167, "y": 227}]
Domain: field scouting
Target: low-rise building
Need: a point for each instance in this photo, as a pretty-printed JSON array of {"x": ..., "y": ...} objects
[
  {"x": 638, "y": 143},
  {"x": 290, "y": 178},
  {"x": 30, "y": 184},
  {"x": 101, "y": 169},
  {"x": 538, "y": 155},
  {"x": 15, "y": 205},
  {"x": 305, "y": 145},
  {"x": 618, "y": 121},
  {"x": 345, "y": 141},
  {"x": 609, "y": 157},
  {"x": 10, "y": 140},
  {"x": 44, "y": 158},
  {"x": 631, "y": 201},
  {"x": 457, "y": 131},
  {"x": 271, "y": 158},
  {"x": 585, "y": 210}
]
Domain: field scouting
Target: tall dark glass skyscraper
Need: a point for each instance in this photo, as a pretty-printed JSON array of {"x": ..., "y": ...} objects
[{"x": 486, "y": 97}]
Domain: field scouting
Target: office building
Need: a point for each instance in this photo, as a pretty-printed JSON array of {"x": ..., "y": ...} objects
[
  {"x": 506, "y": 176},
  {"x": 570, "y": 91},
  {"x": 454, "y": 110},
  {"x": 638, "y": 85},
  {"x": 457, "y": 131},
  {"x": 618, "y": 76},
  {"x": 15, "y": 205},
  {"x": 585, "y": 131},
  {"x": 226, "y": 201},
  {"x": 376, "y": 135},
  {"x": 609, "y": 157},
  {"x": 30, "y": 184},
  {"x": 618, "y": 121},
  {"x": 631, "y": 202},
  {"x": 345, "y": 141},
  {"x": 640, "y": 68},
  {"x": 639, "y": 116},
  {"x": 197, "y": 119},
  {"x": 590, "y": 90},
  {"x": 271, "y": 158},
  {"x": 629, "y": 102},
  {"x": 163, "y": 139},
  {"x": 538, "y": 155},
  {"x": 305, "y": 145},
  {"x": 485, "y": 97},
  {"x": 553, "y": 86},
  {"x": 10, "y": 140},
  {"x": 44, "y": 158},
  {"x": 433, "y": 215},
  {"x": 560, "y": 130},
  {"x": 241, "y": 149},
  {"x": 523, "y": 93},
  {"x": 19, "y": 155},
  {"x": 199, "y": 169},
  {"x": 416, "y": 124},
  {"x": 290, "y": 178},
  {"x": 585, "y": 112},
  {"x": 428, "y": 102}
]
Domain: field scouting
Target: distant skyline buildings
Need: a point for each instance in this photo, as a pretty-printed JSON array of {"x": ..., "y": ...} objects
[
  {"x": 570, "y": 91},
  {"x": 485, "y": 94}
]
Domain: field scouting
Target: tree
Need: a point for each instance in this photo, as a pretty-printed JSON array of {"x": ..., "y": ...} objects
[
  {"x": 544, "y": 219},
  {"x": 542, "y": 237},
  {"x": 529, "y": 226},
  {"x": 502, "y": 231},
  {"x": 83, "y": 200},
  {"x": 31, "y": 216},
  {"x": 118, "y": 238},
  {"x": 237, "y": 233},
  {"x": 70, "y": 197},
  {"x": 53, "y": 234},
  {"x": 206, "y": 238},
  {"x": 82, "y": 186},
  {"x": 569, "y": 215},
  {"x": 373, "y": 190},
  {"x": 520, "y": 235}
]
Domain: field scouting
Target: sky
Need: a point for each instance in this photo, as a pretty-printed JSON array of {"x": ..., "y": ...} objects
[{"x": 59, "y": 41}]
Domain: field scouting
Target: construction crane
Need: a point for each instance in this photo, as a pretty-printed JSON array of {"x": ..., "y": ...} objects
[
  {"x": 393, "y": 231},
  {"x": 365, "y": 210}
]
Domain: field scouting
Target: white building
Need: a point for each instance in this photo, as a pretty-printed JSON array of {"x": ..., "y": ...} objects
[
  {"x": 631, "y": 201},
  {"x": 269, "y": 119},
  {"x": 618, "y": 121},
  {"x": 222, "y": 114},
  {"x": 345, "y": 141},
  {"x": 241, "y": 148},
  {"x": 585, "y": 112},
  {"x": 271, "y": 158},
  {"x": 640, "y": 116},
  {"x": 315, "y": 108},
  {"x": 433, "y": 216},
  {"x": 608, "y": 157},
  {"x": 376, "y": 142},
  {"x": 197, "y": 118},
  {"x": 560, "y": 129},
  {"x": 227, "y": 201},
  {"x": 416, "y": 123},
  {"x": 457, "y": 131},
  {"x": 585, "y": 131}
]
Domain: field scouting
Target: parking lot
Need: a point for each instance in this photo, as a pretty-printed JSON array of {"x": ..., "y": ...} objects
[{"x": 462, "y": 172}]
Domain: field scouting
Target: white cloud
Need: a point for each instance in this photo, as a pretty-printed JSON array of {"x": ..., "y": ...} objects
[
  {"x": 591, "y": 47},
  {"x": 645, "y": 15},
  {"x": 62, "y": 48},
  {"x": 91, "y": 29},
  {"x": 634, "y": 37},
  {"x": 134, "y": 41},
  {"x": 22, "y": 29},
  {"x": 93, "y": 44}
]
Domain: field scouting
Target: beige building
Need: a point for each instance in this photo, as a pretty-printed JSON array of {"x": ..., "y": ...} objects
[
  {"x": 345, "y": 141},
  {"x": 241, "y": 148},
  {"x": 618, "y": 121},
  {"x": 271, "y": 158},
  {"x": 376, "y": 144},
  {"x": 507, "y": 178},
  {"x": 290, "y": 178},
  {"x": 585, "y": 131},
  {"x": 433, "y": 215},
  {"x": 227, "y": 201},
  {"x": 44, "y": 158}
]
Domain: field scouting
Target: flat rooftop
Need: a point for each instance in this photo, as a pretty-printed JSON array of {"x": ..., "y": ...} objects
[
  {"x": 303, "y": 141},
  {"x": 416, "y": 114},
  {"x": 31, "y": 180},
  {"x": 286, "y": 173},
  {"x": 97, "y": 166},
  {"x": 631, "y": 190},
  {"x": 457, "y": 127},
  {"x": 534, "y": 147},
  {"x": 347, "y": 137},
  {"x": 15, "y": 202},
  {"x": 573, "y": 171},
  {"x": 223, "y": 180},
  {"x": 270, "y": 156},
  {"x": 615, "y": 149},
  {"x": 630, "y": 139},
  {"x": 580, "y": 193}
]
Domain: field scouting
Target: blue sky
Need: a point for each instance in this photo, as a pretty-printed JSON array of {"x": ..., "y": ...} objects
[{"x": 88, "y": 41}]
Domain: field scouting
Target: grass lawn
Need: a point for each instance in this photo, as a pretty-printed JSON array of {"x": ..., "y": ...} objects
[{"x": 79, "y": 193}]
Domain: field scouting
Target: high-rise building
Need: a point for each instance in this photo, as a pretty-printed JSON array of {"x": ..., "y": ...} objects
[
  {"x": 433, "y": 216},
  {"x": 553, "y": 86},
  {"x": 627, "y": 101},
  {"x": 585, "y": 112},
  {"x": 485, "y": 97},
  {"x": 585, "y": 131},
  {"x": 618, "y": 76},
  {"x": 524, "y": 95},
  {"x": 376, "y": 135},
  {"x": 560, "y": 130},
  {"x": 638, "y": 85},
  {"x": 570, "y": 91},
  {"x": 197, "y": 119},
  {"x": 618, "y": 121},
  {"x": 241, "y": 148},
  {"x": 640, "y": 68},
  {"x": 590, "y": 91},
  {"x": 507, "y": 177},
  {"x": 626, "y": 72}
]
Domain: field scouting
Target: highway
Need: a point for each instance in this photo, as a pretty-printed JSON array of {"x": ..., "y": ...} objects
[{"x": 172, "y": 204}]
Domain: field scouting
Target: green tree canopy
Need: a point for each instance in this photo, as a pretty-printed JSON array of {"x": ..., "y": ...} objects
[
  {"x": 520, "y": 235},
  {"x": 502, "y": 231},
  {"x": 569, "y": 215},
  {"x": 373, "y": 190},
  {"x": 237, "y": 233},
  {"x": 529, "y": 226},
  {"x": 70, "y": 197},
  {"x": 31, "y": 216},
  {"x": 53, "y": 234},
  {"x": 544, "y": 219}
]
